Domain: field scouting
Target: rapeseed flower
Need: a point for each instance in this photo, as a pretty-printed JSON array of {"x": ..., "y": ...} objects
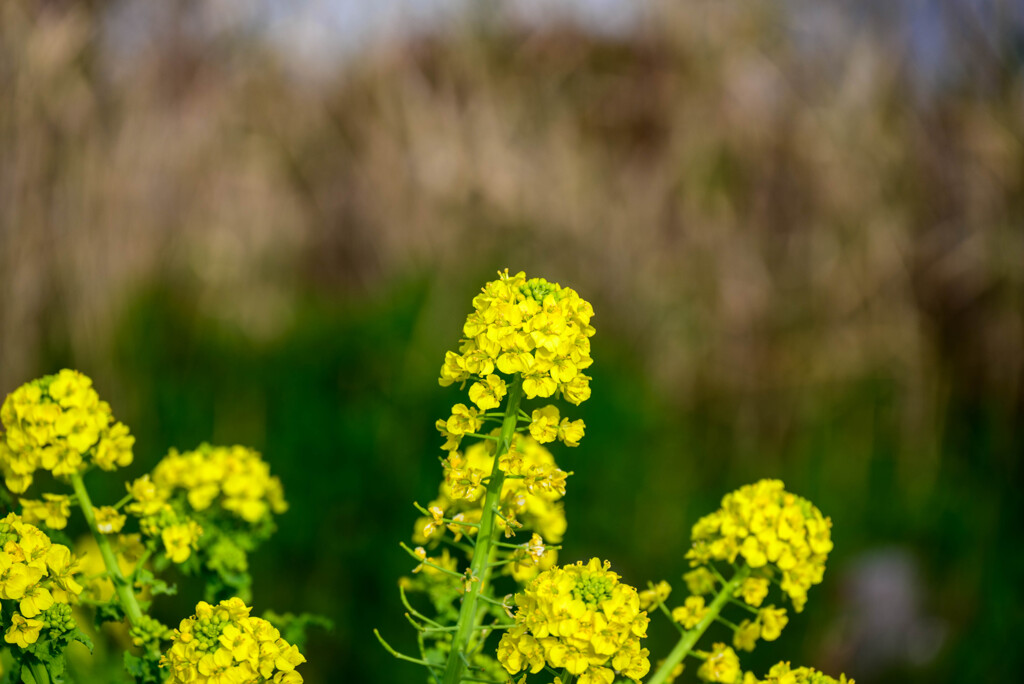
[
  {"x": 655, "y": 596},
  {"x": 222, "y": 645},
  {"x": 692, "y": 612},
  {"x": 720, "y": 665},
  {"x": 579, "y": 617},
  {"x": 58, "y": 423},
  {"x": 530, "y": 328},
  {"x": 53, "y": 511},
  {"x": 530, "y": 497},
  {"x": 235, "y": 478},
  {"x": 771, "y": 529},
  {"x": 782, "y": 673},
  {"x": 36, "y": 574}
]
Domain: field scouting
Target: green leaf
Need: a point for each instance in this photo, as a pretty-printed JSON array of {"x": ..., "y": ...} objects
[
  {"x": 134, "y": 665},
  {"x": 294, "y": 627},
  {"x": 111, "y": 611},
  {"x": 145, "y": 578},
  {"x": 81, "y": 637}
]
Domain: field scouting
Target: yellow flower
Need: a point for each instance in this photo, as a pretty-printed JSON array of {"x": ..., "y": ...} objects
[
  {"x": 53, "y": 512},
  {"x": 571, "y": 432},
  {"x": 17, "y": 578},
  {"x": 23, "y": 631},
  {"x": 463, "y": 419},
  {"x": 754, "y": 590},
  {"x": 531, "y": 497},
  {"x": 721, "y": 665},
  {"x": 538, "y": 329},
  {"x": 782, "y": 673},
  {"x": 578, "y": 617},
  {"x": 108, "y": 520},
  {"x": 656, "y": 595},
  {"x": 62, "y": 567},
  {"x": 147, "y": 497},
  {"x": 766, "y": 525},
  {"x": 772, "y": 621},
  {"x": 36, "y": 600},
  {"x": 116, "y": 450},
  {"x": 544, "y": 424},
  {"x": 692, "y": 612},
  {"x": 222, "y": 644},
  {"x": 58, "y": 423},
  {"x": 489, "y": 393},
  {"x": 180, "y": 539},
  {"x": 700, "y": 581},
  {"x": 746, "y": 635},
  {"x": 236, "y": 479}
]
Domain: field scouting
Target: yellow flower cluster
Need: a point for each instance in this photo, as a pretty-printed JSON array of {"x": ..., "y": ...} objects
[
  {"x": 157, "y": 518},
  {"x": 578, "y": 617},
  {"x": 235, "y": 478},
  {"x": 529, "y": 496},
  {"x": 52, "y": 511},
  {"x": 782, "y": 673},
  {"x": 655, "y": 596},
  {"x": 765, "y": 525},
  {"x": 767, "y": 625},
  {"x": 538, "y": 329},
  {"x": 35, "y": 573},
  {"x": 222, "y": 645},
  {"x": 58, "y": 423}
]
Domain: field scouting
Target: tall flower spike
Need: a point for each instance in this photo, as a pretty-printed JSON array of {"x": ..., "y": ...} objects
[{"x": 538, "y": 329}]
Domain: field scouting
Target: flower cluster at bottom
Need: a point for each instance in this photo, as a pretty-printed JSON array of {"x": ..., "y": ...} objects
[
  {"x": 581, "y": 618},
  {"x": 37, "y": 575},
  {"x": 722, "y": 665},
  {"x": 222, "y": 645},
  {"x": 784, "y": 674}
]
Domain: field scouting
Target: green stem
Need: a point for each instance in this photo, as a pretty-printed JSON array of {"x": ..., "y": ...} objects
[
  {"x": 39, "y": 673},
  {"x": 124, "y": 591},
  {"x": 485, "y": 539},
  {"x": 690, "y": 637}
]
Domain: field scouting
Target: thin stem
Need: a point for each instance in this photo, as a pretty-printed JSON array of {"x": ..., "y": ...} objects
[
  {"x": 485, "y": 537},
  {"x": 421, "y": 616},
  {"x": 664, "y": 609},
  {"x": 689, "y": 639},
  {"x": 745, "y": 606},
  {"x": 400, "y": 656},
  {"x": 123, "y": 501},
  {"x": 121, "y": 585}
]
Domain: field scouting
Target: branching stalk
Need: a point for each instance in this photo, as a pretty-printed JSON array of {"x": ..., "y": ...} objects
[
  {"x": 121, "y": 585},
  {"x": 485, "y": 538},
  {"x": 690, "y": 637}
]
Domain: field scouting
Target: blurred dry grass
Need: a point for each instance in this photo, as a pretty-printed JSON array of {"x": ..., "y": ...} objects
[
  {"x": 757, "y": 221},
  {"x": 766, "y": 219}
]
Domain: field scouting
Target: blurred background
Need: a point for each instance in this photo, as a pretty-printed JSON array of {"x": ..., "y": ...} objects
[{"x": 801, "y": 225}]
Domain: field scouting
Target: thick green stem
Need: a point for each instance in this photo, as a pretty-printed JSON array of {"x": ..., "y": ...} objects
[
  {"x": 479, "y": 572},
  {"x": 690, "y": 637},
  {"x": 39, "y": 673},
  {"x": 121, "y": 585}
]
